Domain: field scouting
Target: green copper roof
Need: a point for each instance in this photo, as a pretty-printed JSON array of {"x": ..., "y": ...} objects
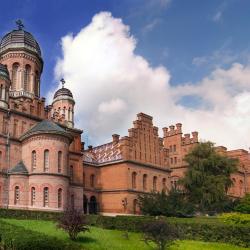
[
  {"x": 46, "y": 126},
  {"x": 4, "y": 72},
  {"x": 19, "y": 169}
]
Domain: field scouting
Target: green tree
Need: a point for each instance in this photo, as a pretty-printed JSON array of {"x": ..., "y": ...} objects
[
  {"x": 172, "y": 204},
  {"x": 244, "y": 205},
  {"x": 207, "y": 179}
]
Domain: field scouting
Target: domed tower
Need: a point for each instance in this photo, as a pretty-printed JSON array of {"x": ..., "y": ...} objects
[
  {"x": 22, "y": 54},
  {"x": 4, "y": 86},
  {"x": 63, "y": 106}
]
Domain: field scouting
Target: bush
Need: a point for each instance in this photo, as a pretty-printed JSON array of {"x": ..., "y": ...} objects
[
  {"x": 236, "y": 218},
  {"x": 18, "y": 238},
  {"x": 244, "y": 205},
  {"x": 162, "y": 233},
  {"x": 73, "y": 222},
  {"x": 205, "y": 229},
  {"x": 28, "y": 214}
]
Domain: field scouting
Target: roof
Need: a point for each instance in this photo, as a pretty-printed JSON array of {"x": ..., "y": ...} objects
[
  {"x": 46, "y": 126},
  {"x": 105, "y": 153},
  {"x": 4, "y": 72},
  {"x": 20, "y": 168},
  {"x": 20, "y": 39},
  {"x": 63, "y": 92}
]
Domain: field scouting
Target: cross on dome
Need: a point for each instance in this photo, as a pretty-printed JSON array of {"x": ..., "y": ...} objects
[
  {"x": 19, "y": 24},
  {"x": 63, "y": 82}
]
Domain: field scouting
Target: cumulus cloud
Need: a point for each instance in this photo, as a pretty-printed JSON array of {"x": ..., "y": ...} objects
[{"x": 111, "y": 84}]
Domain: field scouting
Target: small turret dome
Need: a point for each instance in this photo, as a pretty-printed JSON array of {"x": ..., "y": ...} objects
[{"x": 63, "y": 92}]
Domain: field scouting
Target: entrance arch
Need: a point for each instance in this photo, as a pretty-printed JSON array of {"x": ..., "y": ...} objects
[
  {"x": 85, "y": 204},
  {"x": 92, "y": 205}
]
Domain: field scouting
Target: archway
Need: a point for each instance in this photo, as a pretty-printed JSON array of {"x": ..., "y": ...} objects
[
  {"x": 85, "y": 204},
  {"x": 92, "y": 205}
]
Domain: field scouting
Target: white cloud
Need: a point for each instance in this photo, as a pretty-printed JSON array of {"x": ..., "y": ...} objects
[
  {"x": 111, "y": 84},
  {"x": 217, "y": 16}
]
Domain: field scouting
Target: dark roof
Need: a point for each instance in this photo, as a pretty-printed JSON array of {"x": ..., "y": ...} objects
[
  {"x": 46, "y": 126},
  {"x": 4, "y": 71},
  {"x": 20, "y": 39},
  {"x": 20, "y": 168},
  {"x": 63, "y": 92}
]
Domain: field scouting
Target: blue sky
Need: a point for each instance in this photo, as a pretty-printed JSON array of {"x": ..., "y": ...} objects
[
  {"x": 171, "y": 33},
  {"x": 193, "y": 40}
]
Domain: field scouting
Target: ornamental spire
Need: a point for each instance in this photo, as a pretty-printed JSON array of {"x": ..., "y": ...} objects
[
  {"x": 19, "y": 24},
  {"x": 63, "y": 82}
]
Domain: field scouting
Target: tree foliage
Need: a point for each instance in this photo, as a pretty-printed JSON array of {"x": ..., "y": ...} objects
[
  {"x": 160, "y": 203},
  {"x": 73, "y": 222},
  {"x": 244, "y": 205},
  {"x": 207, "y": 179},
  {"x": 160, "y": 232}
]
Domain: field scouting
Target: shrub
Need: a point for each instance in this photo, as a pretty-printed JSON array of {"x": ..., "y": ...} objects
[
  {"x": 236, "y": 218},
  {"x": 18, "y": 238},
  {"x": 73, "y": 222},
  {"x": 204, "y": 228},
  {"x": 244, "y": 205},
  {"x": 160, "y": 232},
  {"x": 28, "y": 214}
]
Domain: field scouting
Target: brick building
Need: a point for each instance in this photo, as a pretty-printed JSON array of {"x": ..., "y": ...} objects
[{"x": 43, "y": 163}]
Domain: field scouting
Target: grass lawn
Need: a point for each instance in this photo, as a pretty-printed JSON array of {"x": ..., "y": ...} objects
[{"x": 102, "y": 239}]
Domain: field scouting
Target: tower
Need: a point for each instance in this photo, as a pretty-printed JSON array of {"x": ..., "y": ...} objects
[
  {"x": 63, "y": 106},
  {"x": 4, "y": 86},
  {"x": 21, "y": 53}
]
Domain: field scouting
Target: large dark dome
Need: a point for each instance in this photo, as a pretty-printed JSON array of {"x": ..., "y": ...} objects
[
  {"x": 4, "y": 72},
  {"x": 20, "y": 39},
  {"x": 63, "y": 92}
]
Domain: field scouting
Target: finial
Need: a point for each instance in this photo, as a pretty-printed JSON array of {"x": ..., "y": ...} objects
[
  {"x": 19, "y": 24},
  {"x": 63, "y": 82}
]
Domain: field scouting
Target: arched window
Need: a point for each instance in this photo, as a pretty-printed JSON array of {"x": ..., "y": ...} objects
[
  {"x": 83, "y": 180},
  {"x": 33, "y": 196},
  {"x": 69, "y": 114},
  {"x": 134, "y": 180},
  {"x": 17, "y": 195},
  {"x": 1, "y": 90},
  {"x": 72, "y": 201},
  {"x": 92, "y": 180},
  {"x": 1, "y": 158},
  {"x": 46, "y": 160},
  {"x": 71, "y": 173},
  {"x": 164, "y": 184},
  {"x": 59, "y": 161},
  {"x": 27, "y": 72},
  {"x": 15, "y": 68},
  {"x": 154, "y": 183},
  {"x": 33, "y": 160},
  {"x": 144, "y": 182},
  {"x": 46, "y": 197},
  {"x": 36, "y": 84},
  {"x": 241, "y": 187},
  {"x": 135, "y": 207},
  {"x": 59, "y": 198}
]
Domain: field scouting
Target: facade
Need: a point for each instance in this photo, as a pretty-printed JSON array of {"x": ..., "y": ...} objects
[{"x": 44, "y": 165}]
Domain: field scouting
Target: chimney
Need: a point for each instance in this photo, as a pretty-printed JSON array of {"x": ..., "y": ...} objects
[
  {"x": 90, "y": 147},
  {"x": 165, "y": 132},
  {"x": 178, "y": 128},
  {"x": 195, "y": 136},
  {"x": 115, "y": 138},
  {"x": 82, "y": 144}
]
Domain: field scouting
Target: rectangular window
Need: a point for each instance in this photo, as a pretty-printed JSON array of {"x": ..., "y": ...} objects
[{"x": 46, "y": 161}]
